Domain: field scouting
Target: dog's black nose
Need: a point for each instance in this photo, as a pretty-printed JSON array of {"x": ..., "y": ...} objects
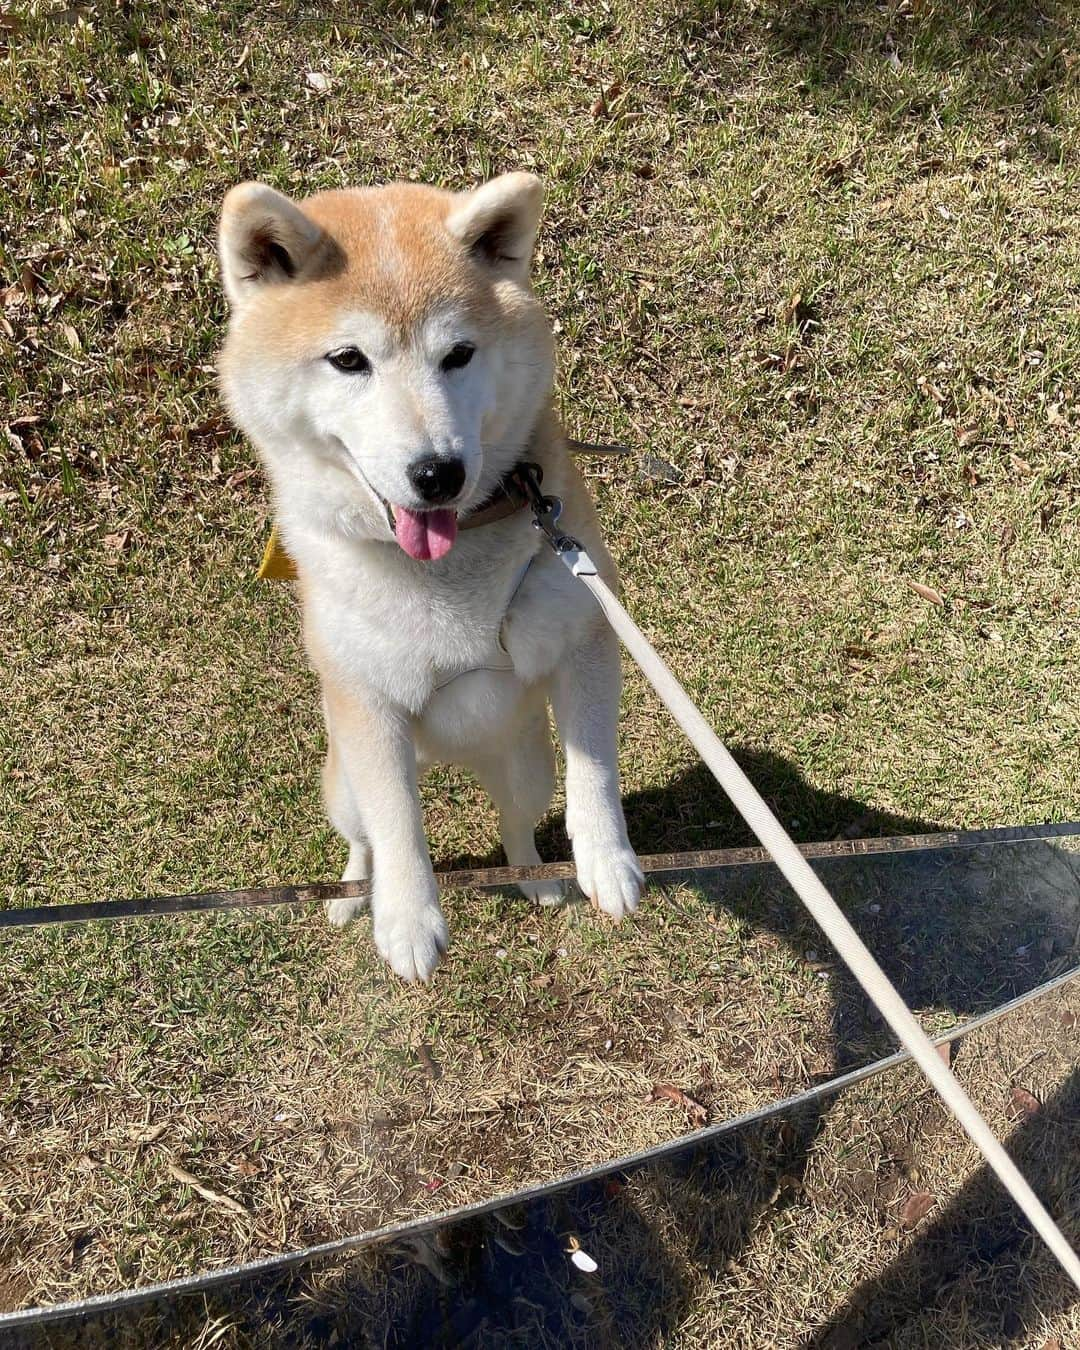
[{"x": 437, "y": 480}]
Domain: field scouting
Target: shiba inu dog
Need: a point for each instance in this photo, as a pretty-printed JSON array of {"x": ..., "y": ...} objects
[{"x": 389, "y": 361}]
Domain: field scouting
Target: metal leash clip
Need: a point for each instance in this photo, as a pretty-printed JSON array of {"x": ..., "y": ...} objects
[{"x": 546, "y": 510}]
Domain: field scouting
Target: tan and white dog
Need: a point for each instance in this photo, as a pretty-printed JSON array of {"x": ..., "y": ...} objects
[{"x": 388, "y": 359}]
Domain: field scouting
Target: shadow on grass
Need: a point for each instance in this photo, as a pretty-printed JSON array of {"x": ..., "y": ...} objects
[
  {"x": 961, "y": 930},
  {"x": 692, "y": 812},
  {"x": 1006, "y": 53}
]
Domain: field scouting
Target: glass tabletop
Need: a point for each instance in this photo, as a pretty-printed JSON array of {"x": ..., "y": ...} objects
[{"x": 571, "y": 1116}]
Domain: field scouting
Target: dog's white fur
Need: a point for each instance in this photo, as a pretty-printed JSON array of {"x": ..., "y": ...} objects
[{"x": 405, "y": 273}]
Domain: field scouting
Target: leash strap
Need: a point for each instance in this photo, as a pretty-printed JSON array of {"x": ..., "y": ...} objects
[{"x": 802, "y": 878}]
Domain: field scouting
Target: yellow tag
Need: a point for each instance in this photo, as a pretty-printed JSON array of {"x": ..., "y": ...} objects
[{"x": 276, "y": 564}]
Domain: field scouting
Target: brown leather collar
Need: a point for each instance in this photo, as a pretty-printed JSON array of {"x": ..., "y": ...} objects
[{"x": 506, "y": 500}]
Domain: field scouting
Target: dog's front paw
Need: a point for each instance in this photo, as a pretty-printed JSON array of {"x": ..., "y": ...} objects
[
  {"x": 543, "y": 892},
  {"x": 343, "y": 908},
  {"x": 610, "y": 876},
  {"x": 410, "y": 937}
]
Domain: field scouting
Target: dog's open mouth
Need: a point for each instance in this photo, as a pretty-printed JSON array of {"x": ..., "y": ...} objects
[{"x": 425, "y": 535}]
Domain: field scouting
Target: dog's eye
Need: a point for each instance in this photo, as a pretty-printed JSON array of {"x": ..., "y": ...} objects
[
  {"x": 349, "y": 359},
  {"x": 458, "y": 356}
]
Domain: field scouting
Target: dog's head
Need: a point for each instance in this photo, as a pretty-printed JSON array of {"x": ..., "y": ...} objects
[{"x": 385, "y": 345}]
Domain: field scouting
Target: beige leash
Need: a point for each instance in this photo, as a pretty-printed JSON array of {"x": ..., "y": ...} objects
[{"x": 802, "y": 878}]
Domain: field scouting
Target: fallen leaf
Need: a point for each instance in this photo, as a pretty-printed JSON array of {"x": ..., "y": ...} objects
[
  {"x": 667, "y": 1092},
  {"x": 243, "y": 58},
  {"x": 146, "y": 1134},
  {"x": 429, "y": 1063},
  {"x": 927, "y": 592},
  {"x": 72, "y": 337},
  {"x": 600, "y": 106},
  {"x": 319, "y": 82},
  {"x": 916, "y": 1208},
  {"x": 972, "y": 478},
  {"x": 1025, "y": 1103},
  {"x": 207, "y": 1193},
  {"x": 117, "y": 543},
  {"x": 247, "y": 1168},
  {"x": 1021, "y": 466},
  {"x": 234, "y": 480},
  {"x": 659, "y": 470},
  {"x": 837, "y": 169}
]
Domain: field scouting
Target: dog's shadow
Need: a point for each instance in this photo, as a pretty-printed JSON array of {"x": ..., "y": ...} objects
[
  {"x": 948, "y": 926},
  {"x": 692, "y": 811}
]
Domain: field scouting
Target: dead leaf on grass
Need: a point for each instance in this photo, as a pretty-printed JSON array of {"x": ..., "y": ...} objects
[
  {"x": 1022, "y": 467},
  {"x": 319, "y": 82},
  {"x": 1024, "y": 1103},
  {"x": 429, "y": 1063},
  {"x": 146, "y": 1134},
  {"x": 669, "y": 1093},
  {"x": 238, "y": 478},
  {"x": 207, "y": 1192},
  {"x": 927, "y": 592},
  {"x": 916, "y": 1208},
  {"x": 600, "y": 106},
  {"x": 118, "y": 542}
]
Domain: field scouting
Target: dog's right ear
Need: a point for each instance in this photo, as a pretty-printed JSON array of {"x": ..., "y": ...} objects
[{"x": 264, "y": 239}]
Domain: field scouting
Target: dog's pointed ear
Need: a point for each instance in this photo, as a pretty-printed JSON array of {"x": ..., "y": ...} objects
[
  {"x": 497, "y": 222},
  {"x": 264, "y": 239}
]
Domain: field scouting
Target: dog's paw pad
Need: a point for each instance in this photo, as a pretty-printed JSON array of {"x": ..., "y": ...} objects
[
  {"x": 543, "y": 892},
  {"x": 611, "y": 878},
  {"x": 340, "y": 910},
  {"x": 413, "y": 941}
]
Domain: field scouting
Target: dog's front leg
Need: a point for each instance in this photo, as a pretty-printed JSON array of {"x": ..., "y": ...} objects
[
  {"x": 585, "y": 698},
  {"x": 375, "y": 746}
]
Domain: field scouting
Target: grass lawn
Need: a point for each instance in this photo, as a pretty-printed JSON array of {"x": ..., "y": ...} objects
[{"x": 819, "y": 261}]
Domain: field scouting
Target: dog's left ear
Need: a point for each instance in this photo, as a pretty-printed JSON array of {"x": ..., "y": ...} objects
[{"x": 497, "y": 222}]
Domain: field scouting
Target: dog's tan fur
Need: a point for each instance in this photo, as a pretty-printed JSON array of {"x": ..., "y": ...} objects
[{"x": 404, "y": 648}]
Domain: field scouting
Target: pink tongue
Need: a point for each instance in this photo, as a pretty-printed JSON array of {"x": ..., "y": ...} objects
[{"x": 425, "y": 535}]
